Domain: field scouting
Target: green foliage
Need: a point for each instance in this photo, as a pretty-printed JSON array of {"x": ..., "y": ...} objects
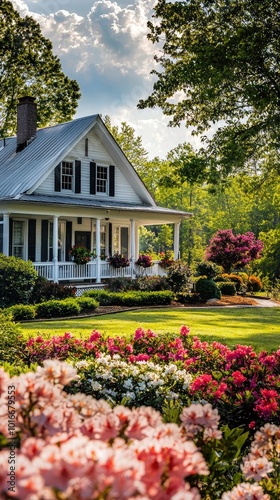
[
  {"x": 208, "y": 269},
  {"x": 236, "y": 279},
  {"x": 22, "y": 312},
  {"x": 254, "y": 284},
  {"x": 47, "y": 290},
  {"x": 58, "y": 308},
  {"x": 227, "y": 288},
  {"x": 187, "y": 298},
  {"x": 122, "y": 284},
  {"x": 28, "y": 67},
  {"x": 11, "y": 341},
  {"x": 87, "y": 304},
  {"x": 17, "y": 279},
  {"x": 222, "y": 58},
  {"x": 207, "y": 289},
  {"x": 130, "y": 298},
  {"x": 15, "y": 369},
  {"x": 178, "y": 276}
]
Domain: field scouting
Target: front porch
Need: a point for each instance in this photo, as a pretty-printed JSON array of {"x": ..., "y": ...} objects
[{"x": 96, "y": 270}]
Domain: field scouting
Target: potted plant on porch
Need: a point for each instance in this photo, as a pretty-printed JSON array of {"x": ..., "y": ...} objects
[
  {"x": 117, "y": 260},
  {"x": 80, "y": 255}
]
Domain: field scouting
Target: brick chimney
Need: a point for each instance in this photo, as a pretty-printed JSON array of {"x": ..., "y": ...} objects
[{"x": 26, "y": 121}]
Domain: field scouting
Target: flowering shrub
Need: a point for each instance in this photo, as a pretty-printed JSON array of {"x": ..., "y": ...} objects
[
  {"x": 243, "y": 385},
  {"x": 144, "y": 260},
  {"x": 75, "y": 447},
  {"x": 84, "y": 449},
  {"x": 81, "y": 255},
  {"x": 117, "y": 260},
  {"x": 137, "y": 383}
]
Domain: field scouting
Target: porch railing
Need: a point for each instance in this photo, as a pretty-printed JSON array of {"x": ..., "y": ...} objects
[{"x": 69, "y": 271}]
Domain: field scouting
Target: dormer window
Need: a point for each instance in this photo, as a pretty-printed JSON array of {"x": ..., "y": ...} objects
[
  {"x": 101, "y": 179},
  {"x": 67, "y": 175}
]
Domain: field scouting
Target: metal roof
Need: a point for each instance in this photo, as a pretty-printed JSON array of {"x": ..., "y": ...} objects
[{"x": 20, "y": 171}]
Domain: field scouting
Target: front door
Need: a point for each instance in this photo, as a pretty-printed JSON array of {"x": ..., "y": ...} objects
[{"x": 83, "y": 239}]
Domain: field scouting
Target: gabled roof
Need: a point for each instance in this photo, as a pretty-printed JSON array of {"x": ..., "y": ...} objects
[
  {"x": 19, "y": 172},
  {"x": 24, "y": 171}
]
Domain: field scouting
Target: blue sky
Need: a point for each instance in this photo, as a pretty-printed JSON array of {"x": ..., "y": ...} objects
[{"x": 103, "y": 45}]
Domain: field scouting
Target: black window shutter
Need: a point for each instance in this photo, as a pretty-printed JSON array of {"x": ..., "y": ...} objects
[
  {"x": 110, "y": 239},
  {"x": 68, "y": 239},
  {"x": 57, "y": 176},
  {"x": 92, "y": 178},
  {"x": 111, "y": 180},
  {"x": 44, "y": 240},
  {"x": 77, "y": 176},
  {"x": 32, "y": 239}
]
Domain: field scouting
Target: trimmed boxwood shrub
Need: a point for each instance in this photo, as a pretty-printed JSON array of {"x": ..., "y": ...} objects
[
  {"x": 17, "y": 279},
  {"x": 209, "y": 269},
  {"x": 58, "y": 308},
  {"x": 207, "y": 289},
  {"x": 187, "y": 298},
  {"x": 130, "y": 299},
  {"x": 87, "y": 304},
  {"x": 237, "y": 280},
  {"x": 21, "y": 312},
  {"x": 227, "y": 288}
]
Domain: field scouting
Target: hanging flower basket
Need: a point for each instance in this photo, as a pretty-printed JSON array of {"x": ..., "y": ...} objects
[
  {"x": 80, "y": 255},
  {"x": 144, "y": 260},
  {"x": 167, "y": 259},
  {"x": 117, "y": 260}
]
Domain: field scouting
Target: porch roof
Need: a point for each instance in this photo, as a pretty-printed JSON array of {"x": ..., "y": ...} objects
[{"x": 63, "y": 201}]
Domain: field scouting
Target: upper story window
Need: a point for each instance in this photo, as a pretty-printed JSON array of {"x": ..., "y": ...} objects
[
  {"x": 67, "y": 175},
  {"x": 101, "y": 179}
]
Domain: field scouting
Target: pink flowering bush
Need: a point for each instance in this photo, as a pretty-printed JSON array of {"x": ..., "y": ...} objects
[
  {"x": 75, "y": 447},
  {"x": 243, "y": 385}
]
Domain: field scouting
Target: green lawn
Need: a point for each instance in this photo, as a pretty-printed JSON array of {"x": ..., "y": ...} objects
[{"x": 259, "y": 327}]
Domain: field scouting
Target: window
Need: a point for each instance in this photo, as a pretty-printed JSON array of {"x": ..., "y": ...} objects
[
  {"x": 67, "y": 175},
  {"x": 101, "y": 179},
  {"x": 18, "y": 239}
]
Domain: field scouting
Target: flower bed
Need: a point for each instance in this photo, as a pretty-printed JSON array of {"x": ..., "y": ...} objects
[
  {"x": 75, "y": 447},
  {"x": 243, "y": 385}
]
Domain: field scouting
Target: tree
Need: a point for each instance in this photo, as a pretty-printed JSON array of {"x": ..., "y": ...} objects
[
  {"x": 130, "y": 143},
  {"x": 28, "y": 67},
  {"x": 233, "y": 252},
  {"x": 221, "y": 62}
]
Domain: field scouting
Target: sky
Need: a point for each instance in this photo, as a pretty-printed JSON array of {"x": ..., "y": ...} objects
[{"x": 103, "y": 45}]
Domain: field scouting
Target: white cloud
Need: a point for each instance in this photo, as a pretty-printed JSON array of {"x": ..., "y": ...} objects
[{"x": 103, "y": 45}]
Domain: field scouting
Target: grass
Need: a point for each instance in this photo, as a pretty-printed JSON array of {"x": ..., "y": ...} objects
[{"x": 258, "y": 327}]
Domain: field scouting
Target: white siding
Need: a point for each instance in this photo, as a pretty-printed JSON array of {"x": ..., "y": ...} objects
[{"x": 97, "y": 153}]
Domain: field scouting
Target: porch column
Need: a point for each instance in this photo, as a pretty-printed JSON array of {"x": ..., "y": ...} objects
[
  {"x": 55, "y": 248},
  {"x": 6, "y": 234},
  {"x": 97, "y": 226},
  {"x": 132, "y": 239},
  {"x": 176, "y": 240}
]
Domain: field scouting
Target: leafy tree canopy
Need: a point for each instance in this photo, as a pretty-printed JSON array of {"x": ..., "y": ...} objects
[
  {"x": 220, "y": 63},
  {"x": 28, "y": 67},
  {"x": 130, "y": 143}
]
